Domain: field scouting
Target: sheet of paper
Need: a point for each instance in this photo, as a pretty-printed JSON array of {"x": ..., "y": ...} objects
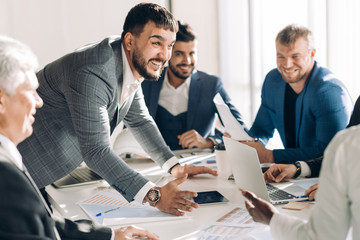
[
  {"x": 232, "y": 126},
  {"x": 111, "y": 208},
  {"x": 235, "y": 224},
  {"x": 213, "y": 232},
  {"x": 306, "y": 183},
  {"x": 236, "y": 217}
]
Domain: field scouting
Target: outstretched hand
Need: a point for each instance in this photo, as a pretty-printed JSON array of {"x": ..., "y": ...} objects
[
  {"x": 173, "y": 200},
  {"x": 190, "y": 170},
  {"x": 129, "y": 232},
  {"x": 260, "y": 210}
]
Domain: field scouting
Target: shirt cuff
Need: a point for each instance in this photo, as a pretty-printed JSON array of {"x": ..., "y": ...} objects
[
  {"x": 112, "y": 234},
  {"x": 140, "y": 196},
  {"x": 305, "y": 169},
  {"x": 284, "y": 226},
  {"x": 169, "y": 163},
  {"x": 213, "y": 140}
]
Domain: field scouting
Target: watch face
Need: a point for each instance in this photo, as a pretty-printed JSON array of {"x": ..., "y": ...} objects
[{"x": 153, "y": 195}]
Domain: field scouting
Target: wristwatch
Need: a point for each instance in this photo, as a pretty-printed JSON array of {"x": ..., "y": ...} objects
[
  {"x": 298, "y": 169},
  {"x": 153, "y": 196}
]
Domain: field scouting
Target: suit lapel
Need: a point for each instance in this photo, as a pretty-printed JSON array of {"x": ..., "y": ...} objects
[
  {"x": 300, "y": 101},
  {"x": 281, "y": 92},
  {"x": 155, "y": 88},
  {"x": 194, "y": 96},
  {"x": 7, "y": 157},
  {"x": 119, "y": 76}
]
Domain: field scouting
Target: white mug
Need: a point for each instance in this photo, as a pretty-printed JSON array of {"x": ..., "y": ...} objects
[{"x": 223, "y": 165}]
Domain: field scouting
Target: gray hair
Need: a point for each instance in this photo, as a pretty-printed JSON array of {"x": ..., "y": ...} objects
[{"x": 15, "y": 57}]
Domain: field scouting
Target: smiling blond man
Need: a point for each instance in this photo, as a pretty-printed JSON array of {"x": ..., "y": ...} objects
[{"x": 304, "y": 101}]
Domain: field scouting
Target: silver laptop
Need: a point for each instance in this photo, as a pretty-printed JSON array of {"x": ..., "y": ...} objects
[
  {"x": 80, "y": 176},
  {"x": 247, "y": 172}
]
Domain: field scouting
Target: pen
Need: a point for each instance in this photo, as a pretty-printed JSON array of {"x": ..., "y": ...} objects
[
  {"x": 254, "y": 140},
  {"x": 110, "y": 210}
]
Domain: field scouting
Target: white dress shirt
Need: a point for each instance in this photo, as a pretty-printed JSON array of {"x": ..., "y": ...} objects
[
  {"x": 305, "y": 169},
  {"x": 130, "y": 85},
  {"x": 174, "y": 100},
  {"x": 13, "y": 151},
  {"x": 338, "y": 198}
]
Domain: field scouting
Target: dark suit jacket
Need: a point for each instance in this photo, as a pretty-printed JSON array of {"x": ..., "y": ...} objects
[
  {"x": 81, "y": 93},
  {"x": 201, "y": 108},
  {"x": 315, "y": 164},
  {"x": 23, "y": 215},
  {"x": 322, "y": 109}
]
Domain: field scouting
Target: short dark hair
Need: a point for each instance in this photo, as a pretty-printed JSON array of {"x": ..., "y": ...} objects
[
  {"x": 291, "y": 33},
  {"x": 142, "y": 13},
  {"x": 185, "y": 33}
]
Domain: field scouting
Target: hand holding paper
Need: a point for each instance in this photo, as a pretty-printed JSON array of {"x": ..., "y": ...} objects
[{"x": 232, "y": 126}]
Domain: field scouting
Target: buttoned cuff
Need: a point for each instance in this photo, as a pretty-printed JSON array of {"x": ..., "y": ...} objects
[
  {"x": 140, "y": 196},
  {"x": 213, "y": 140},
  {"x": 112, "y": 234},
  {"x": 170, "y": 163},
  {"x": 305, "y": 169}
]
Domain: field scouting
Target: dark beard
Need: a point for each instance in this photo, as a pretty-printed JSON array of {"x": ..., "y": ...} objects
[
  {"x": 176, "y": 73},
  {"x": 140, "y": 66}
]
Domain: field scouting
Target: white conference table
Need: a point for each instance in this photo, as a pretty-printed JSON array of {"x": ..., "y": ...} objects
[{"x": 64, "y": 201}]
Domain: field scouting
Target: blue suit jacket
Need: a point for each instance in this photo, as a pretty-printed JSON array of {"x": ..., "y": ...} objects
[
  {"x": 322, "y": 109},
  {"x": 201, "y": 108}
]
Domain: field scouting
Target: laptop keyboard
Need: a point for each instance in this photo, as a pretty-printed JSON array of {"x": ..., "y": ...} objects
[{"x": 277, "y": 194}]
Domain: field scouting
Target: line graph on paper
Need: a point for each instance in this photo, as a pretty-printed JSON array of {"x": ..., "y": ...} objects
[{"x": 105, "y": 198}]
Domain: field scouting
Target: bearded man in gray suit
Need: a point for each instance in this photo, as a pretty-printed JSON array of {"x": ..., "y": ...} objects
[
  {"x": 24, "y": 213},
  {"x": 88, "y": 92}
]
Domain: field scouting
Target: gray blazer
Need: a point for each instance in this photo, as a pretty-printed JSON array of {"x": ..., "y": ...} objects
[{"x": 81, "y": 92}]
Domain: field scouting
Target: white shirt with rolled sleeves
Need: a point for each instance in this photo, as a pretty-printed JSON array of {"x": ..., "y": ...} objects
[
  {"x": 338, "y": 199},
  {"x": 131, "y": 85}
]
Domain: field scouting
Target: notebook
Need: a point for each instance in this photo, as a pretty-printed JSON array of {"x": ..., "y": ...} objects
[{"x": 247, "y": 172}]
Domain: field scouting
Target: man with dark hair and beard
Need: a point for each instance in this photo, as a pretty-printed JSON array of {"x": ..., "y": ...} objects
[
  {"x": 87, "y": 93},
  {"x": 181, "y": 101}
]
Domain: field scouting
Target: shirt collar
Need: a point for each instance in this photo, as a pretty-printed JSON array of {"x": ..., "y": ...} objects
[
  {"x": 12, "y": 150},
  {"x": 127, "y": 73},
  {"x": 186, "y": 83}
]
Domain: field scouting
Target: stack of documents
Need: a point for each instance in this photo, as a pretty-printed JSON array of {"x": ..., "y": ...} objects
[{"x": 111, "y": 208}]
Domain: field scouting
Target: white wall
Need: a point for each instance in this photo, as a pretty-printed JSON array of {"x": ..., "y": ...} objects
[
  {"x": 201, "y": 15},
  {"x": 53, "y": 28}
]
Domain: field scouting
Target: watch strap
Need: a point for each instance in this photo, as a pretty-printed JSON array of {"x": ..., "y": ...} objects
[
  {"x": 298, "y": 169},
  {"x": 173, "y": 167}
]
